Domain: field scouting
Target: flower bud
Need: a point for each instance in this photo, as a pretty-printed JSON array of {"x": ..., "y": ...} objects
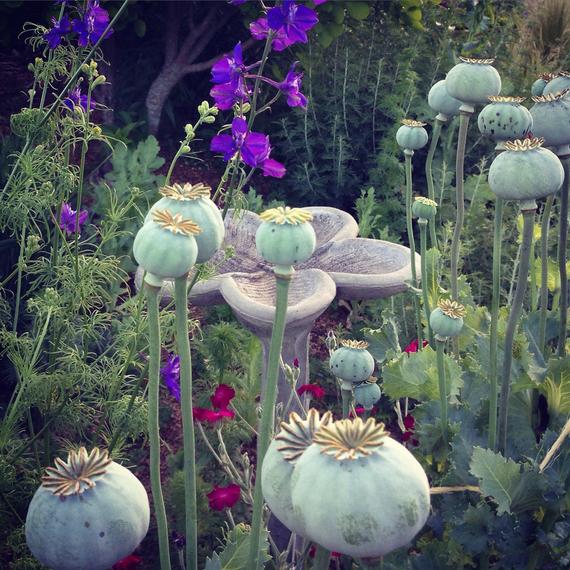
[
  {"x": 185, "y": 148},
  {"x": 209, "y": 119},
  {"x": 99, "y": 80}
]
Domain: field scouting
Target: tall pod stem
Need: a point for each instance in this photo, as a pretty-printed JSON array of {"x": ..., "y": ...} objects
[
  {"x": 464, "y": 117},
  {"x": 562, "y": 255},
  {"x": 282, "y": 280},
  {"x": 435, "y": 133},
  {"x": 183, "y": 344},
  {"x": 516, "y": 307},
  {"x": 440, "y": 345},
  {"x": 493, "y": 336},
  {"x": 545, "y": 227},
  {"x": 423, "y": 252},
  {"x": 408, "y": 157},
  {"x": 346, "y": 400},
  {"x": 152, "y": 295}
]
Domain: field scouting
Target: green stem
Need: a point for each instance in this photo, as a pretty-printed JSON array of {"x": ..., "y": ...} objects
[
  {"x": 266, "y": 50},
  {"x": 440, "y": 345},
  {"x": 562, "y": 254},
  {"x": 408, "y": 157},
  {"x": 516, "y": 307},
  {"x": 19, "y": 280},
  {"x": 493, "y": 333},
  {"x": 460, "y": 205},
  {"x": 183, "y": 344},
  {"x": 268, "y": 409},
  {"x": 322, "y": 558},
  {"x": 532, "y": 276},
  {"x": 153, "y": 424},
  {"x": 346, "y": 399},
  {"x": 425, "y": 293},
  {"x": 436, "y": 131},
  {"x": 545, "y": 227}
]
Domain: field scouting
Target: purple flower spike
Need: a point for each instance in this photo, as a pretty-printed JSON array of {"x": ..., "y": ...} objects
[
  {"x": 76, "y": 99},
  {"x": 170, "y": 373},
  {"x": 231, "y": 86},
  {"x": 58, "y": 31},
  {"x": 67, "y": 219},
  {"x": 260, "y": 30},
  {"x": 291, "y": 86},
  {"x": 254, "y": 148},
  {"x": 92, "y": 25},
  {"x": 295, "y": 20}
]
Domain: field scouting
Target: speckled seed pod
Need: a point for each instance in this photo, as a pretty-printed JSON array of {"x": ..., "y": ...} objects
[
  {"x": 88, "y": 514},
  {"x": 526, "y": 172},
  {"x": 193, "y": 202},
  {"x": 352, "y": 363},
  {"x": 442, "y": 102},
  {"x": 551, "y": 120},
  {"x": 424, "y": 208},
  {"x": 446, "y": 320},
  {"x": 285, "y": 449},
  {"x": 368, "y": 393},
  {"x": 412, "y": 135},
  {"x": 540, "y": 84},
  {"x": 504, "y": 118},
  {"x": 165, "y": 247},
  {"x": 285, "y": 237},
  {"x": 358, "y": 491},
  {"x": 473, "y": 81},
  {"x": 558, "y": 82}
]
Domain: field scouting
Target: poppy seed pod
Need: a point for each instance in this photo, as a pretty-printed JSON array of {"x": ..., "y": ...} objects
[
  {"x": 551, "y": 120},
  {"x": 558, "y": 82},
  {"x": 279, "y": 461},
  {"x": 525, "y": 172},
  {"x": 368, "y": 393},
  {"x": 193, "y": 202},
  {"x": 446, "y": 320},
  {"x": 285, "y": 237},
  {"x": 358, "y": 491},
  {"x": 412, "y": 135},
  {"x": 165, "y": 247},
  {"x": 424, "y": 208},
  {"x": 504, "y": 118},
  {"x": 352, "y": 363},
  {"x": 89, "y": 512},
  {"x": 540, "y": 84},
  {"x": 442, "y": 102},
  {"x": 473, "y": 81}
]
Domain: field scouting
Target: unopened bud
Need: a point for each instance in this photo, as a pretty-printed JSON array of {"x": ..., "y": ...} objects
[
  {"x": 209, "y": 119},
  {"x": 99, "y": 80},
  {"x": 185, "y": 148}
]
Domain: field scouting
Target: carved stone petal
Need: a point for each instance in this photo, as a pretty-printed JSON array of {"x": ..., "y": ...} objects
[
  {"x": 331, "y": 224},
  {"x": 366, "y": 268},
  {"x": 252, "y": 298}
]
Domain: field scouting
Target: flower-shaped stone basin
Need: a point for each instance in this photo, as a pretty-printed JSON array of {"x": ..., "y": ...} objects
[{"x": 342, "y": 265}]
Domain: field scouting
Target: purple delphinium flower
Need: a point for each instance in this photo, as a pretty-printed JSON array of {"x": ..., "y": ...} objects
[
  {"x": 76, "y": 99},
  {"x": 229, "y": 67},
  {"x": 228, "y": 74},
  {"x": 92, "y": 24},
  {"x": 226, "y": 95},
  {"x": 291, "y": 86},
  {"x": 67, "y": 219},
  {"x": 170, "y": 373},
  {"x": 294, "y": 19},
  {"x": 57, "y": 32},
  {"x": 260, "y": 30},
  {"x": 254, "y": 148}
]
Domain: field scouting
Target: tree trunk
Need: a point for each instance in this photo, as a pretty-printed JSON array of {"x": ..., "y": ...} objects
[{"x": 158, "y": 93}]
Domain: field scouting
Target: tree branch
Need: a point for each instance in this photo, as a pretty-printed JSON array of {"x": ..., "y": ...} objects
[
  {"x": 198, "y": 33},
  {"x": 172, "y": 34},
  {"x": 203, "y": 65}
]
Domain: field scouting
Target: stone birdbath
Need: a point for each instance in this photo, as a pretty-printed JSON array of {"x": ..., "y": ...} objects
[{"x": 342, "y": 265}]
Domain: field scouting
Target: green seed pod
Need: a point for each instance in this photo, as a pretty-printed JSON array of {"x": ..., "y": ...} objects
[
  {"x": 358, "y": 491},
  {"x": 193, "y": 203},
  {"x": 473, "y": 81},
  {"x": 165, "y": 247},
  {"x": 504, "y": 119},
  {"x": 89, "y": 513},
  {"x": 279, "y": 461},
  {"x": 352, "y": 362},
  {"x": 540, "y": 84},
  {"x": 446, "y": 320},
  {"x": 412, "y": 135},
  {"x": 442, "y": 102},
  {"x": 526, "y": 172},
  {"x": 558, "y": 82},
  {"x": 424, "y": 208},
  {"x": 285, "y": 237},
  {"x": 551, "y": 120},
  {"x": 367, "y": 394}
]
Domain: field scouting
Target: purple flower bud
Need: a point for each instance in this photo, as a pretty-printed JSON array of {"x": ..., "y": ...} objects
[{"x": 67, "y": 219}]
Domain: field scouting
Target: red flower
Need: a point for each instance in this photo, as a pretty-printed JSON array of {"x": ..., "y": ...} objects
[
  {"x": 129, "y": 563},
  {"x": 413, "y": 346},
  {"x": 220, "y": 498},
  {"x": 296, "y": 362},
  {"x": 222, "y": 396},
  {"x": 212, "y": 416},
  {"x": 409, "y": 423},
  {"x": 408, "y": 435},
  {"x": 359, "y": 411},
  {"x": 314, "y": 390}
]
